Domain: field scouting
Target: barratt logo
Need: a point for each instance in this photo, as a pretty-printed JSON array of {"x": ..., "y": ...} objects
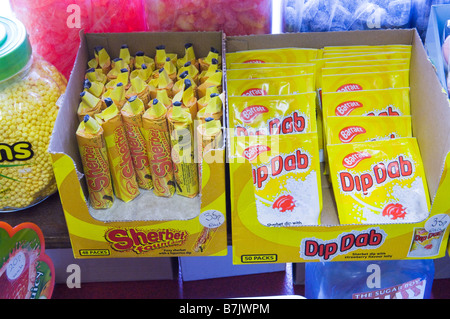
[
  {"x": 349, "y": 87},
  {"x": 252, "y": 111},
  {"x": 347, "y": 134},
  {"x": 254, "y": 92},
  {"x": 345, "y": 108},
  {"x": 141, "y": 241},
  {"x": 253, "y": 151},
  {"x": 254, "y": 61},
  {"x": 353, "y": 159}
]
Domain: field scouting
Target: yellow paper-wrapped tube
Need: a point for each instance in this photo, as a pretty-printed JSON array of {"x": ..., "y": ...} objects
[
  {"x": 213, "y": 80},
  {"x": 96, "y": 75},
  {"x": 125, "y": 55},
  {"x": 192, "y": 71},
  {"x": 209, "y": 137},
  {"x": 117, "y": 95},
  {"x": 117, "y": 65},
  {"x": 206, "y": 61},
  {"x": 95, "y": 163},
  {"x": 162, "y": 96},
  {"x": 189, "y": 56},
  {"x": 187, "y": 98},
  {"x": 89, "y": 105},
  {"x": 119, "y": 156},
  {"x": 213, "y": 109},
  {"x": 132, "y": 113},
  {"x": 161, "y": 56},
  {"x": 103, "y": 59},
  {"x": 203, "y": 102},
  {"x": 95, "y": 88},
  {"x": 180, "y": 84},
  {"x": 140, "y": 88},
  {"x": 141, "y": 59},
  {"x": 162, "y": 82},
  {"x": 122, "y": 77},
  {"x": 143, "y": 72},
  {"x": 182, "y": 140},
  {"x": 210, "y": 71},
  {"x": 156, "y": 133}
]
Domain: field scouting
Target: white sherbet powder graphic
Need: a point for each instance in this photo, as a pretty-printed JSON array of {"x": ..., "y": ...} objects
[{"x": 305, "y": 195}]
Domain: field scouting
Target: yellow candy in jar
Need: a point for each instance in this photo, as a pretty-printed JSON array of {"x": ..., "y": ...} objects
[{"x": 29, "y": 90}]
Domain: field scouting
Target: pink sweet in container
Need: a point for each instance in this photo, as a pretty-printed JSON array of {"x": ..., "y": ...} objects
[
  {"x": 234, "y": 17},
  {"x": 54, "y": 25}
]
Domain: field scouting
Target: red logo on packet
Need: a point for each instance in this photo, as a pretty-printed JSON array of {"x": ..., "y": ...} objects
[
  {"x": 254, "y": 61},
  {"x": 394, "y": 211},
  {"x": 252, "y": 152},
  {"x": 352, "y": 159},
  {"x": 284, "y": 203},
  {"x": 347, "y": 134},
  {"x": 252, "y": 111},
  {"x": 349, "y": 87},
  {"x": 254, "y": 92},
  {"x": 347, "y": 107}
]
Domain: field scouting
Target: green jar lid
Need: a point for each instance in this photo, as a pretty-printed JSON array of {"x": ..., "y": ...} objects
[{"x": 15, "y": 47}]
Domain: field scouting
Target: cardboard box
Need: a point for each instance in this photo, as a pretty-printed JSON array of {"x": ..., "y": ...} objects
[
  {"x": 254, "y": 243},
  {"x": 185, "y": 222},
  {"x": 439, "y": 14},
  {"x": 201, "y": 268}
]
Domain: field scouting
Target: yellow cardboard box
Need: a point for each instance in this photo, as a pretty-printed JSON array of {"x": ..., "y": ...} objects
[
  {"x": 149, "y": 226},
  {"x": 254, "y": 242}
]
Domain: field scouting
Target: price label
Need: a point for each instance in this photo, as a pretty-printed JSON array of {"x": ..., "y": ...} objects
[
  {"x": 437, "y": 223},
  {"x": 211, "y": 218}
]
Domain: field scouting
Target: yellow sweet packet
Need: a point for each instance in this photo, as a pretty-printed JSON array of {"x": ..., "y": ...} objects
[
  {"x": 270, "y": 72},
  {"x": 286, "y": 177},
  {"x": 379, "y": 182},
  {"x": 269, "y": 115},
  {"x": 271, "y": 86},
  {"x": 335, "y": 64},
  {"x": 390, "y": 102},
  {"x": 238, "y": 65},
  {"x": 368, "y": 48},
  {"x": 279, "y": 55},
  {"x": 352, "y": 129},
  {"x": 365, "y": 81},
  {"x": 351, "y": 69},
  {"x": 354, "y": 56}
]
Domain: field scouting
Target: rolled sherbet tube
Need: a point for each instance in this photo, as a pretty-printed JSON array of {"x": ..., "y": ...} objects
[
  {"x": 209, "y": 137},
  {"x": 206, "y": 61},
  {"x": 95, "y": 88},
  {"x": 213, "y": 109},
  {"x": 95, "y": 163},
  {"x": 89, "y": 105},
  {"x": 203, "y": 102},
  {"x": 119, "y": 156},
  {"x": 156, "y": 133},
  {"x": 182, "y": 141},
  {"x": 132, "y": 113}
]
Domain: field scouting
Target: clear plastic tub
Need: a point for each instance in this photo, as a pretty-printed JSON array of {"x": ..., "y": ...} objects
[
  {"x": 234, "y": 17},
  {"x": 54, "y": 25},
  {"x": 29, "y": 90},
  {"x": 344, "y": 15}
]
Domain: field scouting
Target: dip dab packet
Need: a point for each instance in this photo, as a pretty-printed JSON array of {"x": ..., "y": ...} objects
[
  {"x": 379, "y": 182},
  {"x": 285, "y": 176},
  {"x": 268, "y": 115}
]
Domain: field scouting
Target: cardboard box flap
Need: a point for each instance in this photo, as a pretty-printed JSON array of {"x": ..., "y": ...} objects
[
  {"x": 63, "y": 138},
  {"x": 429, "y": 108}
]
